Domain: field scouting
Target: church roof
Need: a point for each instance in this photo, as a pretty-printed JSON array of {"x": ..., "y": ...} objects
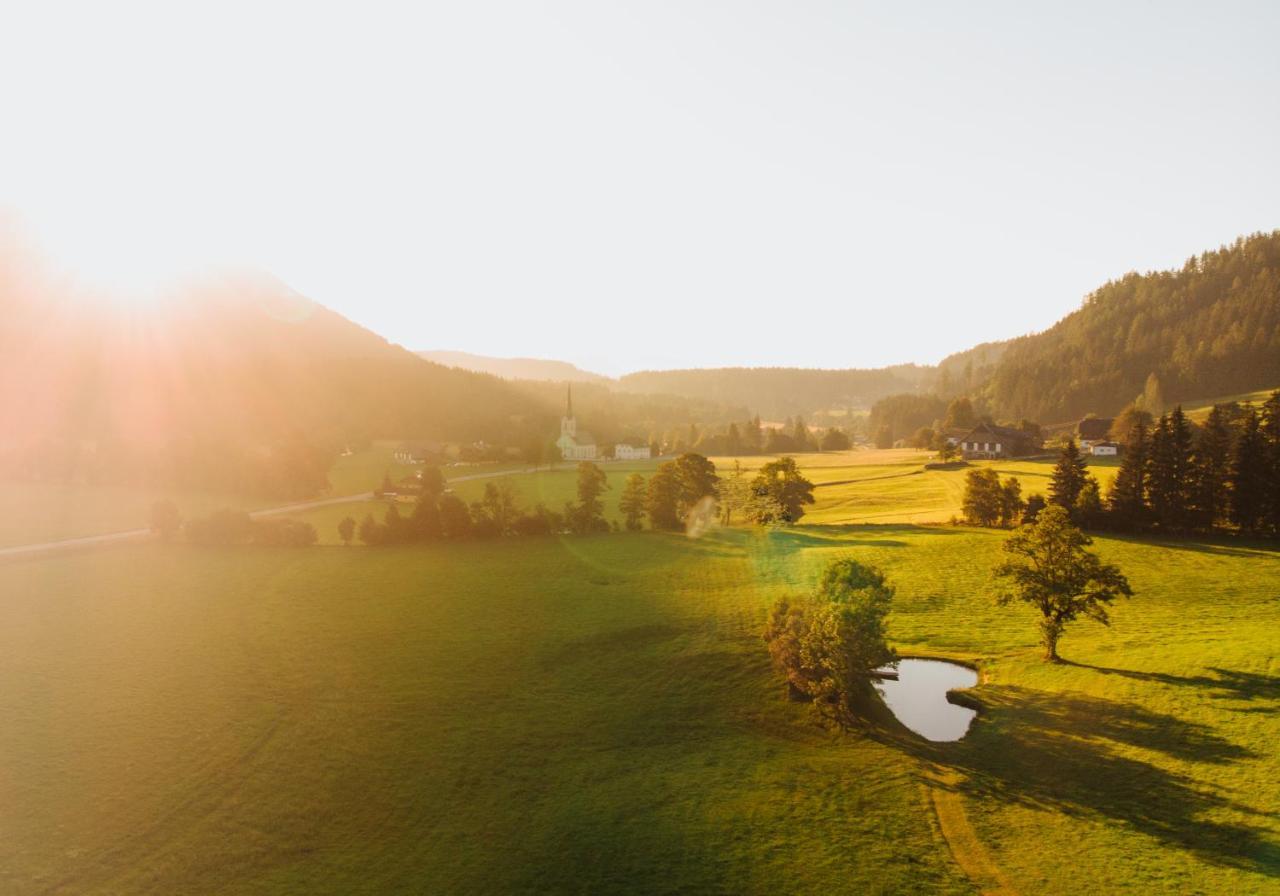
[{"x": 584, "y": 438}]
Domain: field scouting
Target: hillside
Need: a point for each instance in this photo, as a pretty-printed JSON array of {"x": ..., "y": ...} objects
[
  {"x": 539, "y": 369},
  {"x": 1210, "y": 328},
  {"x": 777, "y": 392},
  {"x": 233, "y": 382}
]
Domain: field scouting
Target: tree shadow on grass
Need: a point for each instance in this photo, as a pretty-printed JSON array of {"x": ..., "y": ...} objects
[
  {"x": 1221, "y": 683},
  {"x": 855, "y": 535},
  {"x": 1226, "y": 547},
  {"x": 1069, "y": 753}
]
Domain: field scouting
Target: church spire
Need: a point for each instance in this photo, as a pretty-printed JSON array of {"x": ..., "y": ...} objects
[{"x": 568, "y": 403}]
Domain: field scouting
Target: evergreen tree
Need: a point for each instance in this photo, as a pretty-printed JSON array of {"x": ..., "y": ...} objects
[
  {"x": 1127, "y": 502},
  {"x": 1211, "y": 468},
  {"x": 1248, "y": 481},
  {"x": 1068, "y": 477},
  {"x": 1270, "y": 427},
  {"x": 801, "y": 434},
  {"x": 1169, "y": 481},
  {"x": 960, "y": 415},
  {"x": 733, "y": 441}
]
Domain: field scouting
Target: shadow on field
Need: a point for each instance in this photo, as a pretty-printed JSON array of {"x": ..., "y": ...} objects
[
  {"x": 855, "y": 535},
  {"x": 1065, "y": 753},
  {"x": 1224, "y": 546},
  {"x": 1223, "y": 683}
]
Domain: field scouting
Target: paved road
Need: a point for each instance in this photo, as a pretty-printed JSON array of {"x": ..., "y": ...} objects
[{"x": 87, "y": 541}]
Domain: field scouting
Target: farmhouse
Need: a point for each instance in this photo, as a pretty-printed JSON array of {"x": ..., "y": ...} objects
[
  {"x": 418, "y": 452},
  {"x": 1104, "y": 449},
  {"x": 1093, "y": 429},
  {"x": 573, "y": 444},
  {"x": 988, "y": 440}
]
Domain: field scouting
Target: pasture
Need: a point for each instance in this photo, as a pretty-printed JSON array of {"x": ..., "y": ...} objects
[{"x": 598, "y": 715}]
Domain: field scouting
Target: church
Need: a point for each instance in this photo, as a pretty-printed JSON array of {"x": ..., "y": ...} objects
[{"x": 574, "y": 445}]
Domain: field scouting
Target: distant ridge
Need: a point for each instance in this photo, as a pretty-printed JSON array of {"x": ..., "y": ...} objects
[{"x": 515, "y": 368}]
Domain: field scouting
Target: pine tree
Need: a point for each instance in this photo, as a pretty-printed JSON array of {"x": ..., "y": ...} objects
[
  {"x": 1068, "y": 477},
  {"x": 1248, "y": 480},
  {"x": 1170, "y": 481},
  {"x": 1270, "y": 426},
  {"x": 801, "y": 434},
  {"x": 1212, "y": 465},
  {"x": 1127, "y": 502}
]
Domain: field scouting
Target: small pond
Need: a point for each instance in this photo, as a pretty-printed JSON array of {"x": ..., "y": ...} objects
[{"x": 919, "y": 697}]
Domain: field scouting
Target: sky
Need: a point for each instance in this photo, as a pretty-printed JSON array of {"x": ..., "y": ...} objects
[{"x": 648, "y": 185}]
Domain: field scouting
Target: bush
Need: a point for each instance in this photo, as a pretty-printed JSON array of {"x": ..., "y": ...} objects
[
  {"x": 283, "y": 533},
  {"x": 222, "y": 527}
]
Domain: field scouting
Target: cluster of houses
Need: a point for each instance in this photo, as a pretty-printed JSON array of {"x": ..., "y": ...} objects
[{"x": 986, "y": 441}]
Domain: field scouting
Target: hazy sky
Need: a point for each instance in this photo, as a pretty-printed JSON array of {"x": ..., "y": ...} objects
[{"x": 650, "y": 185}]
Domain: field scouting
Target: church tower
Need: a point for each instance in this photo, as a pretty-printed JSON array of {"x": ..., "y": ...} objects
[{"x": 568, "y": 424}]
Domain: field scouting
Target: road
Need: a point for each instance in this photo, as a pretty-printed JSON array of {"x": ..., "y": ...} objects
[{"x": 87, "y": 541}]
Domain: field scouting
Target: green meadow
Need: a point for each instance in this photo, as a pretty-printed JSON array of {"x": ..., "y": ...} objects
[{"x": 598, "y": 715}]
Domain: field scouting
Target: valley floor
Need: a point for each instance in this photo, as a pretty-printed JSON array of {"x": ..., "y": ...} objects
[{"x": 598, "y": 715}]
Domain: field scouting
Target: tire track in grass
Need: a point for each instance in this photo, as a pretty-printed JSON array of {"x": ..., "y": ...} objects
[{"x": 962, "y": 839}]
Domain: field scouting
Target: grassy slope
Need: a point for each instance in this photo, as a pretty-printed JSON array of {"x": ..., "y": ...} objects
[{"x": 597, "y": 715}]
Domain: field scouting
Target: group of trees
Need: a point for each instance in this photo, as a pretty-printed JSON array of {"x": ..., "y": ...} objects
[
  {"x": 832, "y": 644},
  {"x": 828, "y": 645},
  {"x": 752, "y": 437},
  {"x": 230, "y": 527},
  {"x": 688, "y": 489},
  {"x": 439, "y": 514},
  {"x": 1176, "y": 476}
]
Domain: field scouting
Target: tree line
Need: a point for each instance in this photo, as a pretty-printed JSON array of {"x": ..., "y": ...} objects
[{"x": 1175, "y": 477}]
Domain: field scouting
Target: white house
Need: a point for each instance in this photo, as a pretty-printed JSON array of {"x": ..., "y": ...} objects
[
  {"x": 574, "y": 445},
  {"x": 1104, "y": 449},
  {"x": 624, "y": 451}
]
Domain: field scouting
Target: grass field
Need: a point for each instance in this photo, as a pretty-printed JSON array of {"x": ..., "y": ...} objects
[{"x": 597, "y": 715}]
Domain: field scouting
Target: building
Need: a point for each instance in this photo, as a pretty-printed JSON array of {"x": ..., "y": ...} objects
[
  {"x": 1093, "y": 429},
  {"x": 986, "y": 440},
  {"x": 627, "y": 451},
  {"x": 574, "y": 444},
  {"x": 1104, "y": 449},
  {"x": 418, "y": 452}
]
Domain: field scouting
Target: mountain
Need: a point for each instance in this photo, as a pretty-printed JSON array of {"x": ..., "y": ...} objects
[
  {"x": 1211, "y": 327},
  {"x": 235, "y": 382},
  {"x": 777, "y": 392},
  {"x": 515, "y": 368}
]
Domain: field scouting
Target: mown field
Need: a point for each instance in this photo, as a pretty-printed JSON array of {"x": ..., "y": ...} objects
[{"x": 597, "y": 715}]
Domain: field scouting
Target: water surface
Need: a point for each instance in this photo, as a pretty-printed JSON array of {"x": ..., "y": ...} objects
[{"x": 919, "y": 698}]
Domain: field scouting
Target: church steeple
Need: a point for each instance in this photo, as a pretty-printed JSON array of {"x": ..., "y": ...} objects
[{"x": 568, "y": 425}]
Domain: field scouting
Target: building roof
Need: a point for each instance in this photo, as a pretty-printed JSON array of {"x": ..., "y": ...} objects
[
  {"x": 1095, "y": 427},
  {"x": 990, "y": 429},
  {"x": 1105, "y": 445},
  {"x": 583, "y": 438}
]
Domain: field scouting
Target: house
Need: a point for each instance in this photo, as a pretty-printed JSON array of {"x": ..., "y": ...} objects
[
  {"x": 1093, "y": 429},
  {"x": 1104, "y": 449},
  {"x": 418, "y": 452},
  {"x": 574, "y": 444},
  {"x": 953, "y": 436},
  {"x": 631, "y": 451},
  {"x": 986, "y": 440}
]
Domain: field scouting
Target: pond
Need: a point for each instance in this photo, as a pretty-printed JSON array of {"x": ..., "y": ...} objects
[{"x": 919, "y": 697}]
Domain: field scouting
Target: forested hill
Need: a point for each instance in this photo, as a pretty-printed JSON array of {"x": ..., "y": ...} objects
[
  {"x": 237, "y": 382},
  {"x": 778, "y": 392},
  {"x": 1210, "y": 328},
  {"x": 537, "y": 369}
]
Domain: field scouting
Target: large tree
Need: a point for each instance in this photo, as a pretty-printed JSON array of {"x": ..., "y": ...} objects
[
  {"x": 1050, "y": 568},
  {"x": 1211, "y": 468},
  {"x": 632, "y": 501},
  {"x": 1248, "y": 481},
  {"x": 828, "y": 644},
  {"x": 1127, "y": 502},
  {"x": 587, "y": 515},
  {"x": 982, "y": 497},
  {"x": 781, "y": 481},
  {"x": 1169, "y": 480},
  {"x": 662, "y": 498}
]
